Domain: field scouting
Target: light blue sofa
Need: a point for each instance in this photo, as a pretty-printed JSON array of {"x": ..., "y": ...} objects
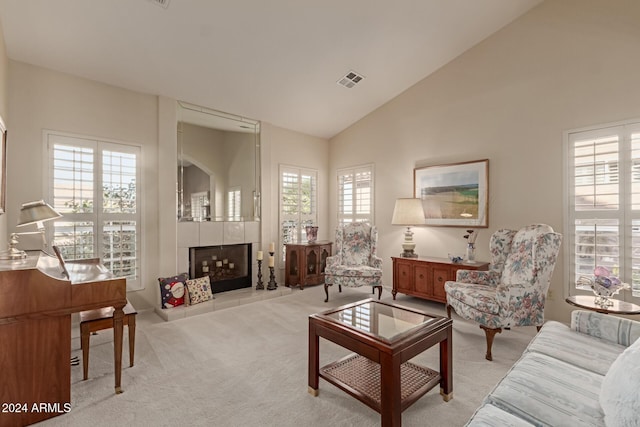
[{"x": 586, "y": 374}]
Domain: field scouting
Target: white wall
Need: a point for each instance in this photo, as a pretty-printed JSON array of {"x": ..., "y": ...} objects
[
  {"x": 563, "y": 65},
  {"x": 43, "y": 99}
]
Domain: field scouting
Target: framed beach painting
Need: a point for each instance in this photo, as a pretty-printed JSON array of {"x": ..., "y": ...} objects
[{"x": 454, "y": 195}]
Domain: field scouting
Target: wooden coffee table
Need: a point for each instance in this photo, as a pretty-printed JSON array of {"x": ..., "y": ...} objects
[{"x": 384, "y": 337}]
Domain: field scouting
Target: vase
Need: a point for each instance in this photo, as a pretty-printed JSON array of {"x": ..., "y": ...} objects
[
  {"x": 312, "y": 233},
  {"x": 471, "y": 253}
]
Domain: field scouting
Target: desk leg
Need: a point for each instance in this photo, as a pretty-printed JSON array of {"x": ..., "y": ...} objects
[
  {"x": 391, "y": 401},
  {"x": 118, "y": 317},
  {"x": 446, "y": 367},
  {"x": 314, "y": 359}
]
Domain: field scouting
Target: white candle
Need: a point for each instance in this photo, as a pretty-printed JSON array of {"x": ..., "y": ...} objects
[
  {"x": 214, "y": 258},
  {"x": 272, "y": 261},
  {"x": 218, "y": 263},
  {"x": 231, "y": 265},
  {"x": 225, "y": 261},
  {"x": 259, "y": 256},
  {"x": 272, "y": 247}
]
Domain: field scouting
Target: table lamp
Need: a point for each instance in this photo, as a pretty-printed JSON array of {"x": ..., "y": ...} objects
[
  {"x": 408, "y": 212},
  {"x": 31, "y": 213}
]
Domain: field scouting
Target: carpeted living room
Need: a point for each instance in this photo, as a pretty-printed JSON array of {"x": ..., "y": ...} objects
[{"x": 256, "y": 191}]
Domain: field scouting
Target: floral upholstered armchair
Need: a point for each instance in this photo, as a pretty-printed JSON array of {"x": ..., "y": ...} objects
[
  {"x": 355, "y": 262},
  {"x": 514, "y": 289}
]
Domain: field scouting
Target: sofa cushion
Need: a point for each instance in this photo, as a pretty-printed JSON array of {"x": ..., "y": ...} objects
[
  {"x": 561, "y": 342},
  {"x": 356, "y": 271},
  {"x": 488, "y": 416},
  {"x": 546, "y": 391},
  {"x": 172, "y": 290},
  {"x": 619, "y": 395}
]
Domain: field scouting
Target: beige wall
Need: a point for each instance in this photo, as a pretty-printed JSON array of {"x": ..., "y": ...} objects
[
  {"x": 563, "y": 65},
  {"x": 43, "y": 99},
  {"x": 4, "y": 113},
  {"x": 282, "y": 146}
]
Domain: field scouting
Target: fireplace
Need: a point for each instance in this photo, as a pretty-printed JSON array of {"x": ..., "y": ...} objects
[{"x": 228, "y": 266}]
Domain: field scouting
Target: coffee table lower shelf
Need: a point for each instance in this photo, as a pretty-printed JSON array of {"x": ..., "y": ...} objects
[{"x": 360, "y": 377}]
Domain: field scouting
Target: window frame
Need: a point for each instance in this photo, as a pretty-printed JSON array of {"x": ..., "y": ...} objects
[
  {"x": 355, "y": 216},
  {"x": 624, "y": 213},
  {"x": 98, "y": 217},
  {"x": 300, "y": 218}
]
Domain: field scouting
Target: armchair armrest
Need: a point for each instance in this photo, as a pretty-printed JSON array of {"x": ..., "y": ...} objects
[
  {"x": 376, "y": 261},
  {"x": 521, "y": 304},
  {"x": 617, "y": 330},
  {"x": 479, "y": 277},
  {"x": 332, "y": 260}
]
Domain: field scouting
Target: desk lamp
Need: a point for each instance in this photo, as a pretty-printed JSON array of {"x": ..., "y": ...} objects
[
  {"x": 30, "y": 213},
  {"x": 408, "y": 212}
]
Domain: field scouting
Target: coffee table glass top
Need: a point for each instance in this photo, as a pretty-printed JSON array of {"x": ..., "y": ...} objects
[{"x": 382, "y": 321}]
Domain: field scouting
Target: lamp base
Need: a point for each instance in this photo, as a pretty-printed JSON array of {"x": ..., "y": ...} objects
[
  {"x": 409, "y": 254},
  {"x": 12, "y": 254}
]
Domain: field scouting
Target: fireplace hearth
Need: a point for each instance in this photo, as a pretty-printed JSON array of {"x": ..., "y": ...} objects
[{"x": 228, "y": 266}]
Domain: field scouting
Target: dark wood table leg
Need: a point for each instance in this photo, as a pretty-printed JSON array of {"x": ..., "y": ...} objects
[
  {"x": 314, "y": 359},
  {"x": 391, "y": 400},
  {"x": 446, "y": 366},
  {"x": 118, "y": 321}
]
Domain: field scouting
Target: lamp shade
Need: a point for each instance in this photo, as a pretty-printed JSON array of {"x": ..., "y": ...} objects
[
  {"x": 408, "y": 212},
  {"x": 34, "y": 212}
]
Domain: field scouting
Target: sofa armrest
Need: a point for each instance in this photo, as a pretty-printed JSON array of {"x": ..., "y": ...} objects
[
  {"x": 476, "y": 276},
  {"x": 617, "y": 330}
]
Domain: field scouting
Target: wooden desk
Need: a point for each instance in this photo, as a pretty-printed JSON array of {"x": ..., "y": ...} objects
[
  {"x": 618, "y": 307},
  {"x": 36, "y": 303}
]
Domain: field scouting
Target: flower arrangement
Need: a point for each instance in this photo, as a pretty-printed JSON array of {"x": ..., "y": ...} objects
[
  {"x": 471, "y": 237},
  {"x": 603, "y": 284},
  {"x": 471, "y": 245}
]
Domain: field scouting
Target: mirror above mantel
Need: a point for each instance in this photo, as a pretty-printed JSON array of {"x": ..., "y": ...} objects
[{"x": 218, "y": 165}]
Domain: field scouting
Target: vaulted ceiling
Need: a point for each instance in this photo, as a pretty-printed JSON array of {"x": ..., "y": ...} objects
[{"x": 271, "y": 60}]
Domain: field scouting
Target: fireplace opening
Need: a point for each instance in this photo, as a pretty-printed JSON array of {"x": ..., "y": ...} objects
[{"x": 227, "y": 266}]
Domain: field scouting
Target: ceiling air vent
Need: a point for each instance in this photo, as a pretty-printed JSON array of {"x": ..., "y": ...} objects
[
  {"x": 163, "y": 3},
  {"x": 350, "y": 79}
]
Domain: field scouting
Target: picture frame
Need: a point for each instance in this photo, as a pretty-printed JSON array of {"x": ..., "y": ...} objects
[
  {"x": 454, "y": 195},
  {"x": 3, "y": 166}
]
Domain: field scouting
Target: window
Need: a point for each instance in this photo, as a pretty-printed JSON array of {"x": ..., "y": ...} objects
[
  {"x": 93, "y": 184},
  {"x": 355, "y": 195},
  {"x": 603, "y": 176},
  {"x": 298, "y": 204},
  {"x": 233, "y": 204}
]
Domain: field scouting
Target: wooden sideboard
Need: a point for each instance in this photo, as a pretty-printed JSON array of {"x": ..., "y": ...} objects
[
  {"x": 305, "y": 263},
  {"x": 36, "y": 302},
  {"x": 425, "y": 277}
]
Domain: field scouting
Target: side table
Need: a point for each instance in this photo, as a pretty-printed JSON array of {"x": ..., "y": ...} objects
[
  {"x": 305, "y": 263},
  {"x": 588, "y": 302}
]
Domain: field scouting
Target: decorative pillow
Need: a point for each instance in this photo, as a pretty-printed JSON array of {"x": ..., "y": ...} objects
[
  {"x": 619, "y": 395},
  {"x": 172, "y": 290},
  {"x": 199, "y": 290}
]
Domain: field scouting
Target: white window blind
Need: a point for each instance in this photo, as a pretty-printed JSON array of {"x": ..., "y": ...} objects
[
  {"x": 234, "y": 198},
  {"x": 603, "y": 176},
  {"x": 94, "y": 185},
  {"x": 298, "y": 204},
  {"x": 355, "y": 195}
]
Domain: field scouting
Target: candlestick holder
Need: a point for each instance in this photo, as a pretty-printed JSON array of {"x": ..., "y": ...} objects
[
  {"x": 272, "y": 277},
  {"x": 259, "y": 285}
]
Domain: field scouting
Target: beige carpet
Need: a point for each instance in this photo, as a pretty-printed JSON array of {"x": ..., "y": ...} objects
[{"x": 247, "y": 366}]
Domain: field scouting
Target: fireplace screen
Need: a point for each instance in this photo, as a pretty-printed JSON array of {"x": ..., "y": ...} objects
[{"x": 227, "y": 266}]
